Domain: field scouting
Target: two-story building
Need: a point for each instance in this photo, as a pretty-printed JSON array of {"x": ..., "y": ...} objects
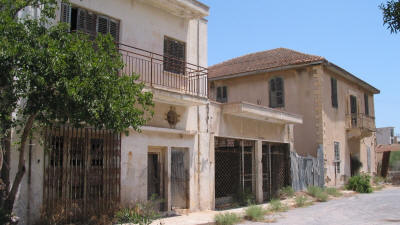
[
  {"x": 337, "y": 107},
  {"x": 194, "y": 154}
]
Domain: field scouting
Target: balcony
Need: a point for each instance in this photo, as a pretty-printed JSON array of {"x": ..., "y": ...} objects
[
  {"x": 165, "y": 73},
  {"x": 359, "y": 125}
]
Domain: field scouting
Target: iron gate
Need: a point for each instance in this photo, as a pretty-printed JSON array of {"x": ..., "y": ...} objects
[
  {"x": 233, "y": 168},
  {"x": 82, "y": 172},
  {"x": 276, "y": 169}
]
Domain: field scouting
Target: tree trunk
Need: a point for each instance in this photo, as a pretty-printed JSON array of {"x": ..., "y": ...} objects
[
  {"x": 9, "y": 203},
  {"x": 5, "y": 169}
]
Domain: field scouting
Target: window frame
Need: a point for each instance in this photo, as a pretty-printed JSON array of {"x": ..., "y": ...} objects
[
  {"x": 169, "y": 59},
  {"x": 336, "y": 154},
  {"x": 366, "y": 104},
  {"x": 273, "y": 92},
  {"x": 221, "y": 90}
]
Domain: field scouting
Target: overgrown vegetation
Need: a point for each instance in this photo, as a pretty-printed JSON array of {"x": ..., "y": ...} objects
[
  {"x": 286, "y": 192},
  {"x": 255, "y": 213},
  {"x": 321, "y": 196},
  {"x": 318, "y": 193},
  {"x": 360, "y": 183},
  {"x": 391, "y": 15},
  {"x": 301, "y": 201},
  {"x": 378, "y": 180},
  {"x": 226, "y": 219},
  {"x": 333, "y": 192},
  {"x": 244, "y": 197},
  {"x": 394, "y": 161},
  {"x": 276, "y": 205}
]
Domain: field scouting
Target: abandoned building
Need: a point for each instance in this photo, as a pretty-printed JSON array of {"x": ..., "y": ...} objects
[
  {"x": 337, "y": 107},
  {"x": 195, "y": 154}
]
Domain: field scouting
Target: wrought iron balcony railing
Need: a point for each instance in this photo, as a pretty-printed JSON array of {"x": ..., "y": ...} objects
[
  {"x": 360, "y": 121},
  {"x": 161, "y": 71}
]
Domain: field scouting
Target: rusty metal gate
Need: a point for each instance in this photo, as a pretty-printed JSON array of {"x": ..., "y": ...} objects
[
  {"x": 276, "y": 168},
  {"x": 233, "y": 169},
  {"x": 82, "y": 172},
  {"x": 179, "y": 179}
]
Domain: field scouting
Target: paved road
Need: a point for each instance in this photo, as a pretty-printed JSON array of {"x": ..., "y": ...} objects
[{"x": 382, "y": 207}]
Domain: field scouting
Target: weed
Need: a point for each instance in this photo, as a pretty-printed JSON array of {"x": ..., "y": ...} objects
[
  {"x": 255, "y": 213},
  {"x": 226, "y": 219},
  {"x": 286, "y": 192},
  {"x": 301, "y": 201},
  {"x": 360, "y": 183},
  {"x": 333, "y": 192},
  {"x": 244, "y": 197},
  {"x": 276, "y": 205},
  {"x": 378, "y": 180},
  {"x": 314, "y": 190},
  {"x": 321, "y": 196}
]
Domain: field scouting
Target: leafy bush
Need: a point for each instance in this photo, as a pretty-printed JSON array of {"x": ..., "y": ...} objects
[
  {"x": 301, "y": 201},
  {"x": 333, "y": 192},
  {"x": 276, "y": 205},
  {"x": 255, "y": 213},
  {"x": 360, "y": 183},
  {"x": 321, "y": 196},
  {"x": 286, "y": 192},
  {"x": 314, "y": 190},
  {"x": 227, "y": 219}
]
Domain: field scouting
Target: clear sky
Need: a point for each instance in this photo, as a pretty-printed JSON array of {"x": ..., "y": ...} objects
[{"x": 347, "y": 33}]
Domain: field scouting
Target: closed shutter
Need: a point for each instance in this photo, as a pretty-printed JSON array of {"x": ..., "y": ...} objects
[
  {"x": 276, "y": 93},
  {"x": 65, "y": 13},
  {"x": 102, "y": 25},
  {"x": 114, "y": 30},
  {"x": 334, "y": 92},
  {"x": 222, "y": 94},
  {"x": 91, "y": 21},
  {"x": 366, "y": 104},
  {"x": 219, "y": 94},
  {"x": 81, "y": 23},
  {"x": 175, "y": 55},
  {"x": 279, "y": 92}
]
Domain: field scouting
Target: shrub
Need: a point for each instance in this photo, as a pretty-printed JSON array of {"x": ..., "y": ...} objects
[
  {"x": 301, "y": 201},
  {"x": 255, "y": 213},
  {"x": 314, "y": 190},
  {"x": 286, "y": 192},
  {"x": 321, "y": 196},
  {"x": 360, "y": 183},
  {"x": 244, "y": 198},
  {"x": 333, "y": 192},
  {"x": 139, "y": 213},
  {"x": 276, "y": 205},
  {"x": 226, "y": 219}
]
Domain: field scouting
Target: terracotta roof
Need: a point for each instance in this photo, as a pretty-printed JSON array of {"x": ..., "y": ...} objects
[
  {"x": 261, "y": 61},
  {"x": 388, "y": 148}
]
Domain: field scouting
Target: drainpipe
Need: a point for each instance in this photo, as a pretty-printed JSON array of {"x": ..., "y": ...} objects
[{"x": 198, "y": 122}]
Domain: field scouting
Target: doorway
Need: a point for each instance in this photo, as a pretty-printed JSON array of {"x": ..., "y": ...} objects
[
  {"x": 179, "y": 178},
  {"x": 155, "y": 178}
]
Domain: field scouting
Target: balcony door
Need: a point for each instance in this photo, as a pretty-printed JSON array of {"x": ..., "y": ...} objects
[{"x": 353, "y": 110}]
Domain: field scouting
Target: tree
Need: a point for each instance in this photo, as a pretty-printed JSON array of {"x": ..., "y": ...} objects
[
  {"x": 50, "y": 77},
  {"x": 391, "y": 15}
]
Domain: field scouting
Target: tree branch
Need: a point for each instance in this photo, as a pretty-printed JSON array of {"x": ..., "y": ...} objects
[{"x": 21, "y": 164}]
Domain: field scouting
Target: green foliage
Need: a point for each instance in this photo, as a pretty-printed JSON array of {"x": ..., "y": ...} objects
[
  {"x": 391, "y": 15},
  {"x": 276, "y": 205},
  {"x": 313, "y": 190},
  {"x": 286, "y": 192},
  {"x": 360, "y": 183},
  {"x": 394, "y": 161},
  {"x": 321, "y": 196},
  {"x": 139, "y": 213},
  {"x": 244, "y": 198},
  {"x": 255, "y": 213},
  {"x": 301, "y": 201},
  {"x": 333, "y": 192},
  {"x": 226, "y": 219}
]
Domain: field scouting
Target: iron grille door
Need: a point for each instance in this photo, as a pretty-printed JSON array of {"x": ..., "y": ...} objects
[{"x": 82, "y": 172}]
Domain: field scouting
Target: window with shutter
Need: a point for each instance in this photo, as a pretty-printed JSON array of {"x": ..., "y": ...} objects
[
  {"x": 91, "y": 21},
  {"x": 65, "y": 13},
  {"x": 366, "y": 104},
  {"x": 334, "y": 92},
  {"x": 102, "y": 25},
  {"x": 276, "y": 92},
  {"x": 114, "y": 30},
  {"x": 174, "y": 56},
  {"x": 222, "y": 94},
  {"x": 81, "y": 22},
  {"x": 337, "y": 157}
]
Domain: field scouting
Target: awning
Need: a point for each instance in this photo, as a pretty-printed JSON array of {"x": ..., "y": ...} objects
[{"x": 258, "y": 112}]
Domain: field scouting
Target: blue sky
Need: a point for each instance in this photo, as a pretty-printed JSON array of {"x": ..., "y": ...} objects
[{"x": 347, "y": 33}]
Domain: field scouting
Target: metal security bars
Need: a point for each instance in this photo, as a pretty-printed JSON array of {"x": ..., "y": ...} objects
[
  {"x": 233, "y": 169},
  {"x": 82, "y": 172},
  {"x": 276, "y": 168}
]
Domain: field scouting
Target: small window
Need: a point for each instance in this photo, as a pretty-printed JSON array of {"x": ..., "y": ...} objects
[
  {"x": 334, "y": 93},
  {"x": 174, "y": 56},
  {"x": 337, "y": 157},
  {"x": 366, "y": 104},
  {"x": 222, "y": 94},
  {"x": 276, "y": 93}
]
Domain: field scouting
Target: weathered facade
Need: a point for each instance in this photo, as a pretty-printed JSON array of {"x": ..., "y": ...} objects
[
  {"x": 179, "y": 154},
  {"x": 337, "y": 108}
]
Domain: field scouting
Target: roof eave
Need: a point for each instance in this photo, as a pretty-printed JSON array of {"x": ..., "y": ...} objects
[{"x": 280, "y": 68}]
